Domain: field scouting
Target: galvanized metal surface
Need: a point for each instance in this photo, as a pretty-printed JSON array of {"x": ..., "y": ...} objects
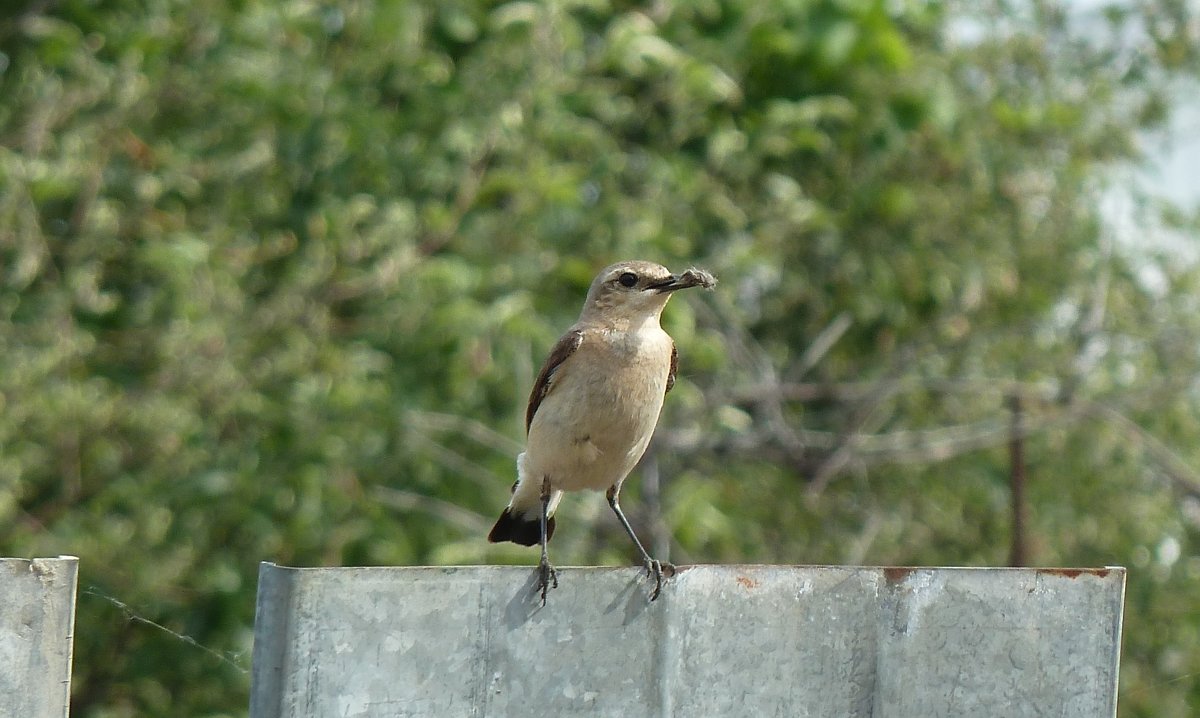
[
  {"x": 721, "y": 641},
  {"x": 37, "y": 616}
]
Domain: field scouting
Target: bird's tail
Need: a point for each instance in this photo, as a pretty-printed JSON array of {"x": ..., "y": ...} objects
[
  {"x": 520, "y": 529},
  {"x": 521, "y": 521}
]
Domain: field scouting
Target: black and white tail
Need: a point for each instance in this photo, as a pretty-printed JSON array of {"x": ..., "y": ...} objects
[{"x": 522, "y": 530}]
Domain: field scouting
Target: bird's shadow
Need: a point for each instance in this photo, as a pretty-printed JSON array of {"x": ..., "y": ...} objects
[
  {"x": 634, "y": 598},
  {"x": 526, "y": 601}
]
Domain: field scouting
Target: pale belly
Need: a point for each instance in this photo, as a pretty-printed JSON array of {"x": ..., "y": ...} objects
[{"x": 590, "y": 433}]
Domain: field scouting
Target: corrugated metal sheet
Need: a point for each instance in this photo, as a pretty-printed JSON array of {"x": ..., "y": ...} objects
[{"x": 721, "y": 641}]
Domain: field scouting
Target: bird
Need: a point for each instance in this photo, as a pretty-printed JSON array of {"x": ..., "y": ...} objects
[{"x": 594, "y": 406}]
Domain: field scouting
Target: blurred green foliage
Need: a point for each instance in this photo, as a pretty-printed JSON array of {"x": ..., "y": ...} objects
[{"x": 275, "y": 277}]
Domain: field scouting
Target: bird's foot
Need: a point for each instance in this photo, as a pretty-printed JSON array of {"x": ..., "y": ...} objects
[
  {"x": 547, "y": 578},
  {"x": 658, "y": 570}
]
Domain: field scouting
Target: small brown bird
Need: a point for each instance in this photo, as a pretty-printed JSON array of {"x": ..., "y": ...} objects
[{"x": 595, "y": 404}]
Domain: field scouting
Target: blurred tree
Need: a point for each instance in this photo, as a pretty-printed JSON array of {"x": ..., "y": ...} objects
[{"x": 275, "y": 277}]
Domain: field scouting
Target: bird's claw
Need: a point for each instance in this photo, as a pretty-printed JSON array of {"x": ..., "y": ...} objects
[
  {"x": 547, "y": 579},
  {"x": 658, "y": 570}
]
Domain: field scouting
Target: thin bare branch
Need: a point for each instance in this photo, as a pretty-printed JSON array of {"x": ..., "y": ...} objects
[
  {"x": 1173, "y": 466},
  {"x": 660, "y": 533},
  {"x": 866, "y": 390},
  {"x": 477, "y": 431},
  {"x": 458, "y": 463},
  {"x": 823, "y": 342},
  {"x": 402, "y": 500},
  {"x": 856, "y": 549},
  {"x": 904, "y": 446},
  {"x": 1018, "y": 551},
  {"x": 867, "y": 417}
]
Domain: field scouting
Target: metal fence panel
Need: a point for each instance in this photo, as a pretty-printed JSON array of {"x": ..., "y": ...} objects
[
  {"x": 722, "y": 640},
  {"x": 37, "y": 617}
]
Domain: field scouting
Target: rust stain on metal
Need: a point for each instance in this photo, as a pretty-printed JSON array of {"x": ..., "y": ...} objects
[
  {"x": 896, "y": 574},
  {"x": 1075, "y": 572},
  {"x": 747, "y": 583}
]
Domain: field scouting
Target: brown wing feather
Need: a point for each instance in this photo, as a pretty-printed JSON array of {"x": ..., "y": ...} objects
[
  {"x": 544, "y": 382},
  {"x": 674, "y": 368}
]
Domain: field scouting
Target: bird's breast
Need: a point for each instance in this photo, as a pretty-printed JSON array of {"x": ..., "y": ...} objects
[
  {"x": 625, "y": 379},
  {"x": 595, "y": 424}
]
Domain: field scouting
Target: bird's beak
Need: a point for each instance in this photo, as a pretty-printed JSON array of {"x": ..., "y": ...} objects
[{"x": 689, "y": 278}]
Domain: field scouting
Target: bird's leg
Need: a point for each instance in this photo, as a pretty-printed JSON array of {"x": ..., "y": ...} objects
[
  {"x": 654, "y": 567},
  {"x": 547, "y": 576}
]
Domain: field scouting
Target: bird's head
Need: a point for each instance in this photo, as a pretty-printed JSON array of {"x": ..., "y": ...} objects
[{"x": 634, "y": 291}]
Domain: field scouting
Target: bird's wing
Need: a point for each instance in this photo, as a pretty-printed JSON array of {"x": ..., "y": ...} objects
[
  {"x": 545, "y": 379},
  {"x": 674, "y": 368}
]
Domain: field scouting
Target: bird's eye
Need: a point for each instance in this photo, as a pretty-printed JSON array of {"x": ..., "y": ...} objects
[{"x": 628, "y": 279}]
